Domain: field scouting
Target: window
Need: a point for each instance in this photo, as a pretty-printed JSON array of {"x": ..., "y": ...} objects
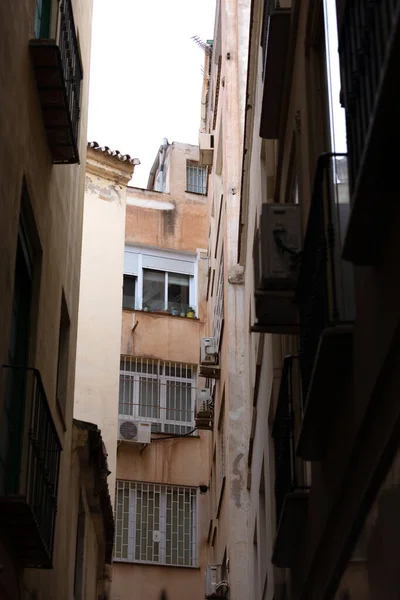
[
  {"x": 158, "y": 391},
  {"x": 156, "y": 281},
  {"x": 165, "y": 291},
  {"x": 196, "y": 178},
  {"x": 42, "y": 18},
  {"x": 129, "y": 292},
  {"x": 63, "y": 354},
  {"x": 218, "y": 317},
  {"x": 156, "y": 524}
]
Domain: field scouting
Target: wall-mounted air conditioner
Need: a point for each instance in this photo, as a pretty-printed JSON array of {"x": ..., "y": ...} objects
[
  {"x": 277, "y": 255},
  {"x": 130, "y": 430},
  {"x": 206, "y": 147},
  {"x": 277, "y": 248},
  {"x": 204, "y": 409},
  {"x": 208, "y": 351},
  {"x": 212, "y": 579}
]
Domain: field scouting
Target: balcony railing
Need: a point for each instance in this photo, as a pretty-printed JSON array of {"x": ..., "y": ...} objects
[
  {"x": 291, "y": 493},
  {"x": 29, "y": 466},
  {"x": 59, "y": 74},
  {"x": 325, "y": 292},
  {"x": 173, "y": 419}
]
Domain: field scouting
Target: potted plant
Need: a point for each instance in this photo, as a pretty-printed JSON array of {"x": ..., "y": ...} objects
[
  {"x": 190, "y": 313},
  {"x": 145, "y": 307},
  {"x": 174, "y": 311}
]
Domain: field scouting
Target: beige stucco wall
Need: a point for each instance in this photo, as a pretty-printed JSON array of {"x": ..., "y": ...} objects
[
  {"x": 56, "y": 197},
  {"x": 100, "y": 300},
  {"x": 174, "y": 220}
]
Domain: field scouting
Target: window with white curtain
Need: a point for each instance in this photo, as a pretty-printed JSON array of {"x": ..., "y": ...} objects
[
  {"x": 159, "y": 281},
  {"x": 161, "y": 392},
  {"x": 156, "y": 524}
]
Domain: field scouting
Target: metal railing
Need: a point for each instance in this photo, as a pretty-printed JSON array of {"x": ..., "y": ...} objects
[
  {"x": 283, "y": 435},
  {"x": 325, "y": 292},
  {"x": 365, "y": 43},
  {"x": 163, "y": 419},
  {"x": 71, "y": 63},
  {"x": 30, "y": 447}
]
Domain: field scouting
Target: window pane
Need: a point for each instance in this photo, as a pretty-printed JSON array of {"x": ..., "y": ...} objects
[
  {"x": 153, "y": 289},
  {"x": 196, "y": 179},
  {"x": 179, "y": 401},
  {"x": 178, "y": 290},
  {"x": 149, "y": 404},
  {"x": 128, "y": 292},
  {"x": 126, "y": 394}
]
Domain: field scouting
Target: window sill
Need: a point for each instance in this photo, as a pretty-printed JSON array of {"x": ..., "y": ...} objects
[
  {"x": 196, "y": 193},
  {"x": 163, "y": 313},
  {"x": 152, "y": 564}
]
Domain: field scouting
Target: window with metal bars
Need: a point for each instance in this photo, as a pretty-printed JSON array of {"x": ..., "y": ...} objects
[
  {"x": 161, "y": 392},
  {"x": 218, "y": 317},
  {"x": 196, "y": 178},
  {"x": 156, "y": 524}
]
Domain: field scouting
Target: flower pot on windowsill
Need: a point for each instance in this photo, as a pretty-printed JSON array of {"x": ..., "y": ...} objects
[
  {"x": 190, "y": 313},
  {"x": 174, "y": 312}
]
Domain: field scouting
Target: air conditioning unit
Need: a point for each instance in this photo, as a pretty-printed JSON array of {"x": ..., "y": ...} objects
[
  {"x": 206, "y": 147},
  {"x": 134, "y": 431},
  {"x": 277, "y": 250},
  {"x": 208, "y": 352},
  {"x": 204, "y": 409},
  {"x": 213, "y": 577},
  {"x": 277, "y": 247}
]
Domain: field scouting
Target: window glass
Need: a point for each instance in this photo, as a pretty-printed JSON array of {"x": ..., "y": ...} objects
[
  {"x": 129, "y": 292},
  {"x": 178, "y": 290},
  {"x": 153, "y": 289},
  {"x": 196, "y": 179}
]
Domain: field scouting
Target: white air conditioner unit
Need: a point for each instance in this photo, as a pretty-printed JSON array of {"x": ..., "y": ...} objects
[
  {"x": 213, "y": 577},
  {"x": 208, "y": 352},
  {"x": 277, "y": 247},
  {"x": 130, "y": 430},
  {"x": 277, "y": 250},
  {"x": 206, "y": 147}
]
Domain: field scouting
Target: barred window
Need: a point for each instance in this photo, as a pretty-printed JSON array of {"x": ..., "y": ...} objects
[
  {"x": 156, "y": 524},
  {"x": 218, "y": 317},
  {"x": 158, "y": 391},
  {"x": 196, "y": 178}
]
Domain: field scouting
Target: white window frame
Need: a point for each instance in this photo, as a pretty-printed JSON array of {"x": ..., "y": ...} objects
[
  {"x": 186, "y": 264},
  {"x": 143, "y": 370},
  {"x": 196, "y": 178},
  {"x": 128, "y": 549}
]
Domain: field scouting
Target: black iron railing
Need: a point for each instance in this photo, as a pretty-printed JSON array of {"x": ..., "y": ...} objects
[
  {"x": 325, "y": 294},
  {"x": 286, "y": 480},
  {"x": 365, "y": 43},
  {"x": 31, "y": 449},
  {"x": 71, "y": 63}
]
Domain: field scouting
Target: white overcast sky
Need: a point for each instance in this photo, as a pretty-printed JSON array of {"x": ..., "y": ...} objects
[{"x": 145, "y": 75}]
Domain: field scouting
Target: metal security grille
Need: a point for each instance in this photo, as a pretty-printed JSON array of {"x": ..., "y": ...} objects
[
  {"x": 196, "y": 179},
  {"x": 218, "y": 317},
  {"x": 156, "y": 524},
  {"x": 158, "y": 391}
]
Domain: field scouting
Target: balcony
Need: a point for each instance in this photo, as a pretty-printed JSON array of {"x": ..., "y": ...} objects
[
  {"x": 58, "y": 72},
  {"x": 325, "y": 297},
  {"x": 161, "y": 307},
  {"x": 29, "y": 467},
  {"x": 291, "y": 495},
  {"x": 275, "y": 43},
  {"x": 369, "y": 58}
]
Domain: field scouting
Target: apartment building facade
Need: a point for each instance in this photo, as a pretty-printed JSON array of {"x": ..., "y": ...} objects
[
  {"x": 161, "y": 488},
  {"x": 54, "y": 534},
  {"x": 318, "y": 251},
  {"x": 221, "y": 142}
]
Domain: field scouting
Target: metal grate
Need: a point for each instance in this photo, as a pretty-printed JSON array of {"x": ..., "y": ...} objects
[
  {"x": 156, "y": 524},
  {"x": 196, "y": 179},
  {"x": 218, "y": 317},
  {"x": 158, "y": 391}
]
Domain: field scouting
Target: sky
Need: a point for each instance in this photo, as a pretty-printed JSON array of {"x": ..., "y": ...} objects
[{"x": 146, "y": 75}]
